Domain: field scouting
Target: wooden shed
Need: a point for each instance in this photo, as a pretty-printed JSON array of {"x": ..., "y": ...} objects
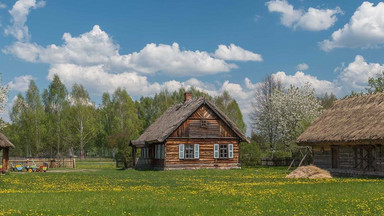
[
  {"x": 190, "y": 135},
  {"x": 348, "y": 138},
  {"x": 5, "y": 144}
]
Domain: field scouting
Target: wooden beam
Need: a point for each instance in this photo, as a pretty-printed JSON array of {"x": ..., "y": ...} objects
[{"x": 5, "y": 160}]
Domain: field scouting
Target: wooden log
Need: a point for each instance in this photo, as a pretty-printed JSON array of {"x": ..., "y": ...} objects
[{"x": 5, "y": 160}]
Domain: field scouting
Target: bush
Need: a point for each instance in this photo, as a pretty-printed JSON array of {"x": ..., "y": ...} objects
[{"x": 250, "y": 154}]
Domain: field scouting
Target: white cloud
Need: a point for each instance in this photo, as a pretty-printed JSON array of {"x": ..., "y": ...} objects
[
  {"x": 20, "y": 83},
  {"x": 355, "y": 76},
  {"x": 236, "y": 53},
  {"x": 96, "y": 47},
  {"x": 311, "y": 20},
  {"x": 19, "y": 13},
  {"x": 97, "y": 80},
  {"x": 365, "y": 29},
  {"x": 2, "y": 5},
  {"x": 302, "y": 67},
  {"x": 174, "y": 61},
  {"x": 300, "y": 79}
]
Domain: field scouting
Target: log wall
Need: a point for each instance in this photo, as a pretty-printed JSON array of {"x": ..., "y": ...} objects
[
  {"x": 350, "y": 158},
  {"x": 192, "y": 126},
  {"x": 206, "y": 157},
  {"x": 322, "y": 157}
]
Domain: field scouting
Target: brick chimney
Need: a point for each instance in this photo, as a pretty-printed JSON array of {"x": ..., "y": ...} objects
[{"x": 187, "y": 96}]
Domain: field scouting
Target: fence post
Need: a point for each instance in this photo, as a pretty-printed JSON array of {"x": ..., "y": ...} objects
[{"x": 74, "y": 163}]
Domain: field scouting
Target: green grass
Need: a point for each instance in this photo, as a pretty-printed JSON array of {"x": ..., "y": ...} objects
[{"x": 256, "y": 191}]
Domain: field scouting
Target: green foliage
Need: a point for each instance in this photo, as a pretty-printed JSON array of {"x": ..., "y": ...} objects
[
  {"x": 125, "y": 124},
  {"x": 250, "y": 154},
  {"x": 354, "y": 94},
  {"x": 83, "y": 119},
  {"x": 327, "y": 100},
  {"x": 376, "y": 85},
  {"x": 61, "y": 124},
  {"x": 229, "y": 106}
]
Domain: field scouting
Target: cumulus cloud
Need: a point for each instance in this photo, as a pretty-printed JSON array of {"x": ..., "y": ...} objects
[
  {"x": 365, "y": 29},
  {"x": 352, "y": 76},
  {"x": 20, "y": 83},
  {"x": 97, "y": 80},
  {"x": 236, "y": 53},
  {"x": 97, "y": 47},
  {"x": 312, "y": 20},
  {"x": 302, "y": 67},
  {"x": 355, "y": 76},
  {"x": 300, "y": 79},
  {"x": 19, "y": 13}
]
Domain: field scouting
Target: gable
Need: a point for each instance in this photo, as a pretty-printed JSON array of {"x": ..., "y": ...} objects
[{"x": 215, "y": 126}]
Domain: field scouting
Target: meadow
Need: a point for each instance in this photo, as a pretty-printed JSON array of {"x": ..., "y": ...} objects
[{"x": 100, "y": 189}]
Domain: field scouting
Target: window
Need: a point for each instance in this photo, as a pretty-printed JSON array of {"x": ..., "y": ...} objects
[
  {"x": 223, "y": 151},
  {"x": 159, "y": 151},
  {"x": 145, "y": 152},
  {"x": 203, "y": 123},
  {"x": 189, "y": 151}
]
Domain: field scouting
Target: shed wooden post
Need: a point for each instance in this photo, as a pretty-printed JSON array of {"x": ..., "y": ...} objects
[
  {"x": 134, "y": 156},
  {"x": 5, "y": 160}
]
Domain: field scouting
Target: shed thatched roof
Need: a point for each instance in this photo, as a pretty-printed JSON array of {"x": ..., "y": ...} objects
[
  {"x": 357, "y": 120},
  {"x": 172, "y": 118},
  {"x": 4, "y": 142}
]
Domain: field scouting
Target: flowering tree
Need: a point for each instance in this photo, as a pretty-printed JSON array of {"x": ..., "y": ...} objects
[
  {"x": 294, "y": 109},
  {"x": 280, "y": 115},
  {"x": 3, "y": 103}
]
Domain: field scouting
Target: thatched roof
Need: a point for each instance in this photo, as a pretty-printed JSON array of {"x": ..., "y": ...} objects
[
  {"x": 172, "y": 118},
  {"x": 357, "y": 120},
  {"x": 4, "y": 142}
]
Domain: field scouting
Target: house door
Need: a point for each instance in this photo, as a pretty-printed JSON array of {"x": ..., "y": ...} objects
[{"x": 335, "y": 157}]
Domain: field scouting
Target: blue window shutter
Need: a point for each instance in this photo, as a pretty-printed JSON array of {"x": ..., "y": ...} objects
[
  {"x": 215, "y": 150},
  {"x": 181, "y": 151},
  {"x": 230, "y": 150},
  {"x": 197, "y": 151}
]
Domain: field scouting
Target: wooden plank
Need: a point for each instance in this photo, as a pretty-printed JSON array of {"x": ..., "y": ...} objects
[{"x": 5, "y": 160}]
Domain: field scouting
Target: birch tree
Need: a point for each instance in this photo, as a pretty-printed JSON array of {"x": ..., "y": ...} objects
[
  {"x": 83, "y": 117},
  {"x": 55, "y": 101},
  {"x": 264, "y": 121},
  {"x": 34, "y": 114}
]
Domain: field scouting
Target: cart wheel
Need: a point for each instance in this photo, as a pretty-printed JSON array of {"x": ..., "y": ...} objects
[{"x": 30, "y": 170}]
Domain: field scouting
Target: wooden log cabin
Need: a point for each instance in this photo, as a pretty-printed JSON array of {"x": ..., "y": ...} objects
[
  {"x": 191, "y": 135},
  {"x": 348, "y": 138},
  {"x": 5, "y": 144}
]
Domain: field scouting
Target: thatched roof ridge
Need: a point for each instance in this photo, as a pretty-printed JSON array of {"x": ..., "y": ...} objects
[
  {"x": 4, "y": 142},
  {"x": 174, "y": 116},
  {"x": 357, "y": 120}
]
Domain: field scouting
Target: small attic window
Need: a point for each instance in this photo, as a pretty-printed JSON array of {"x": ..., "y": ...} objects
[{"x": 203, "y": 123}]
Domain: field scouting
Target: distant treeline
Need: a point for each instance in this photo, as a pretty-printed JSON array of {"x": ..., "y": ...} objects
[{"x": 62, "y": 123}]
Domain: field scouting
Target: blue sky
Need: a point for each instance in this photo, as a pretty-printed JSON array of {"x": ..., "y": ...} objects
[{"x": 147, "y": 46}]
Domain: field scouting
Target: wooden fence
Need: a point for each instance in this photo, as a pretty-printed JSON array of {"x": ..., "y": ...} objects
[
  {"x": 284, "y": 162},
  {"x": 52, "y": 163}
]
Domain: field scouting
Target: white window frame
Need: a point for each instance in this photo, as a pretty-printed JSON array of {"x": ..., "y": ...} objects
[{"x": 195, "y": 151}]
